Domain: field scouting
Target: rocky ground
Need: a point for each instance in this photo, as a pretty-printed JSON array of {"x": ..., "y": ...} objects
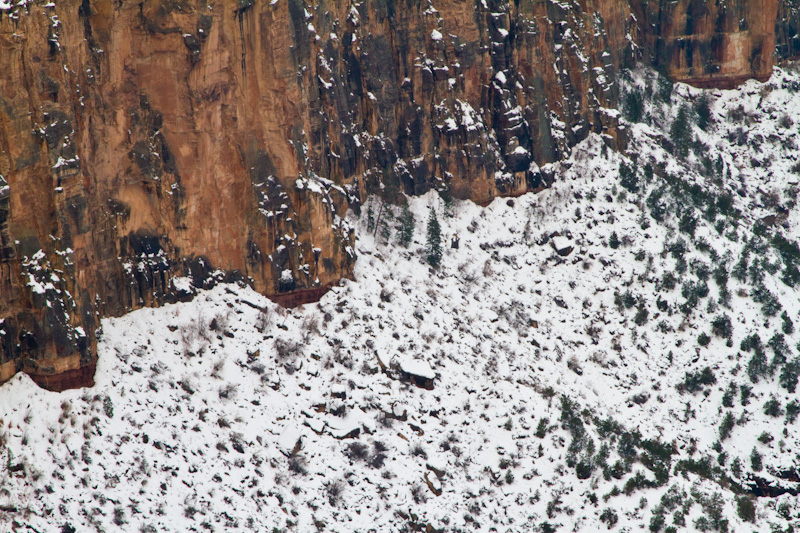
[{"x": 619, "y": 351}]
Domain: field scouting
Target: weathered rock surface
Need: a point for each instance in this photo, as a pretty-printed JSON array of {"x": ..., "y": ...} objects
[
  {"x": 710, "y": 44},
  {"x": 143, "y": 142}
]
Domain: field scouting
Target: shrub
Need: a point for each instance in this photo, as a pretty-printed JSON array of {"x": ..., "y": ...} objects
[
  {"x": 418, "y": 494},
  {"x": 668, "y": 281},
  {"x": 758, "y": 366},
  {"x": 688, "y": 223},
  {"x": 641, "y": 316},
  {"x": 751, "y": 342},
  {"x": 419, "y": 451},
  {"x": 740, "y": 268},
  {"x": 657, "y": 205},
  {"x": 722, "y": 326},
  {"x": 657, "y": 522},
  {"x": 779, "y": 349},
  {"x": 792, "y": 410},
  {"x": 609, "y": 517},
  {"x": 745, "y": 391},
  {"x": 745, "y": 509},
  {"x": 772, "y": 407},
  {"x": 727, "y": 396},
  {"x": 264, "y": 319},
  {"x": 703, "y": 339},
  {"x": 770, "y": 305},
  {"x": 695, "y": 381},
  {"x": 108, "y": 407},
  {"x": 542, "y": 428},
  {"x": 334, "y": 490},
  {"x": 298, "y": 465},
  {"x": 357, "y": 451}
]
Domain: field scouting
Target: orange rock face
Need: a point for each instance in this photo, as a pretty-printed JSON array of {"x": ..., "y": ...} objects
[
  {"x": 144, "y": 143},
  {"x": 711, "y": 44}
]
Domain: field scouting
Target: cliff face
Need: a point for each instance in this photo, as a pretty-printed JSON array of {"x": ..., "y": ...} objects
[
  {"x": 141, "y": 143},
  {"x": 787, "y": 30},
  {"x": 710, "y": 44}
]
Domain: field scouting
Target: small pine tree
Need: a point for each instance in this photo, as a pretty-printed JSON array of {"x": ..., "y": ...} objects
[
  {"x": 681, "y": 132},
  {"x": 406, "y": 229},
  {"x": 664, "y": 89},
  {"x": 728, "y": 422},
  {"x": 703, "y": 110},
  {"x": 772, "y": 407},
  {"x": 746, "y": 509},
  {"x": 384, "y": 225},
  {"x": 628, "y": 177},
  {"x": 788, "y": 326},
  {"x": 447, "y": 198},
  {"x": 434, "y": 241},
  {"x": 370, "y": 219},
  {"x": 613, "y": 241},
  {"x": 634, "y": 105},
  {"x": 755, "y": 461},
  {"x": 790, "y": 374},
  {"x": 758, "y": 366}
]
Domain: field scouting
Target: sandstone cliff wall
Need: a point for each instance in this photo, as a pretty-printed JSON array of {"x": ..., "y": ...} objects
[{"x": 142, "y": 142}]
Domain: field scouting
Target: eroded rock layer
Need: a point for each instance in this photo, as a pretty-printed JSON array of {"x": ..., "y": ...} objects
[{"x": 151, "y": 148}]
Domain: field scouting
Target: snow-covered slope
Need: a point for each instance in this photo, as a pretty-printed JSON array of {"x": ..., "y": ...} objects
[{"x": 591, "y": 350}]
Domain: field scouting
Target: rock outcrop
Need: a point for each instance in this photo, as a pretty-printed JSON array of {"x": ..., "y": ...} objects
[{"x": 148, "y": 149}]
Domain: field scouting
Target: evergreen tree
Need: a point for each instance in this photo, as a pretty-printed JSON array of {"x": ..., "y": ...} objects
[
  {"x": 787, "y": 326},
  {"x": 703, "y": 110},
  {"x": 384, "y": 224},
  {"x": 613, "y": 241},
  {"x": 634, "y": 105},
  {"x": 434, "y": 241},
  {"x": 370, "y": 218},
  {"x": 664, "y": 89},
  {"x": 407, "y": 223},
  {"x": 789, "y": 374},
  {"x": 447, "y": 197},
  {"x": 681, "y": 132},
  {"x": 755, "y": 460},
  {"x": 628, "y": 177}
]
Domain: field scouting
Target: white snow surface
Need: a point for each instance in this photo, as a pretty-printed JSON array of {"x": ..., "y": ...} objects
[{"x": 230, "y": 413}]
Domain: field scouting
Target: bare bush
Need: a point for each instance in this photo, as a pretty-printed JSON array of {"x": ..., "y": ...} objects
[
  {"x": 264, "y": 319},
  {"x": 287, "y": 350}
]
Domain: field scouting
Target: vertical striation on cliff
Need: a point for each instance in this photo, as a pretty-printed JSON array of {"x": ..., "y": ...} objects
[
  {"x": 710, "y": 44},
  {"x": 144, "y": 143}
]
